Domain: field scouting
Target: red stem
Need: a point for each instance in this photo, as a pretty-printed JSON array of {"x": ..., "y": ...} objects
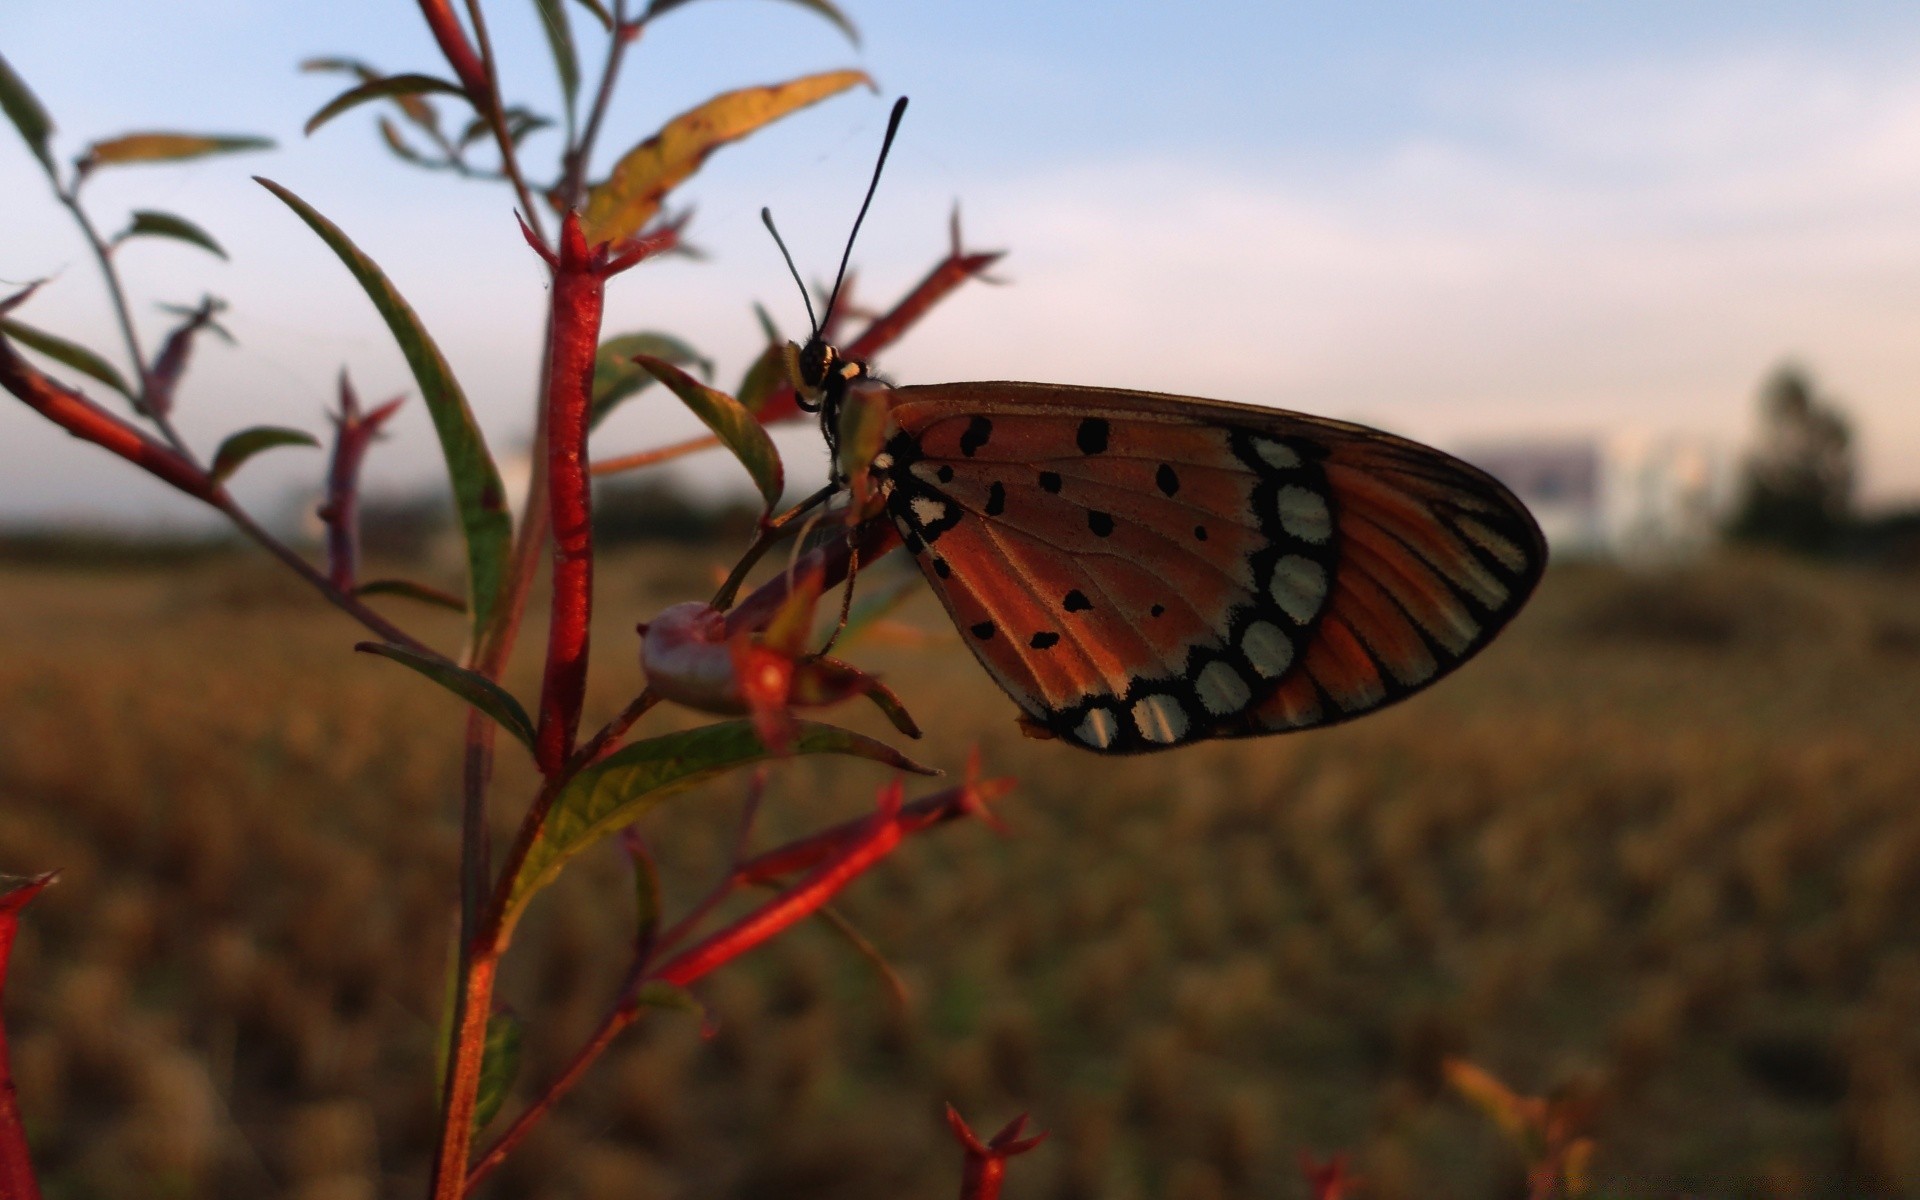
[
  {"x": 877, "y": 836},
  {"x": 884, "y": 831},
  {"x": 579, "y": 293},
  {"x": 459, "y": 52},
  {"x": 17, "y": 1180},
  {"x": 84, "y": 419}
]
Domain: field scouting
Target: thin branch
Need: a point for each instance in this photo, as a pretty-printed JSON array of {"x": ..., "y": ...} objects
[
  {"x": 496, "y": 114},
  {"x": 649, "y": 458},
  {"x": 573, "y": 184}
]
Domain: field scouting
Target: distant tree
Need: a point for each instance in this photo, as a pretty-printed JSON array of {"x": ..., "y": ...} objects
[{"x": 1797, "y": 486}]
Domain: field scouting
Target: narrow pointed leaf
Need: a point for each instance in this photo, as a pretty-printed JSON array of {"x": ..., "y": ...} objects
[
  {"x": 242, "y": 446},
  {"x": 763, "y": 378},
  {"x": 390, "y": 134},
  {"x": 499, "y": 1066},
  {"x": 417, "y": 110},
  {"x": 646, "y": 890},
  {"x": 599, "y": 12},
  {"x": 730, "y": 421},
  {"x": 24, "y": 110},
  {"x": 66, "y": 353},
  {"x": 148, "y": 223},
  {"x": 822, "y": 7},
  {"x": 168, "y": 147},
  {"x": 471, "y": 686},
  {"x": 386, "y": 88},
  {"x": 566, "y": 61},
  {"x": 616, "y": 377},
  {"x": 412, "y": 591},
  {"x": 619, "y": 788},
  {"x": 631, "y": 195},
  {"x": 478, "y": 494}
]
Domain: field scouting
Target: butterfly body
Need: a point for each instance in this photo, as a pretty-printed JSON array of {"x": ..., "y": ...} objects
[{"x": 1139, "y": 571}]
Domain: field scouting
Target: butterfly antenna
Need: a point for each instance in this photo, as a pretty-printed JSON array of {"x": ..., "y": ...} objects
[
  {"x": 886, "y": 144},
  {"x": 766, "y": 218}
]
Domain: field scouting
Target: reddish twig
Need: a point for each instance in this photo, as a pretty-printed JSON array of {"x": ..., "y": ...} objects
[
  {"x": 17, "y": 1180},
  {"x": 832, "y": 858},
  {"x": 84, "y": 419},
  {"x": 1328, "y": 1180},
  {"x": 353, "y": 433},
  {"x": 986, "y": 1162},
  {"x": 459, "y": 52}
]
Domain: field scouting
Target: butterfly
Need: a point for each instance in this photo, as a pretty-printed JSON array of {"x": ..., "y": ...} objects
[{"x": 1139, "y": 571}]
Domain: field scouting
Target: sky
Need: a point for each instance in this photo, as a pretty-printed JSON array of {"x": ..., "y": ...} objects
[{"x": 1471, "y": 222}]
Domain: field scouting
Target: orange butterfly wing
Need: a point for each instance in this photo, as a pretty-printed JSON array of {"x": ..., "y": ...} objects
[{"x": 1139, "y": 571}]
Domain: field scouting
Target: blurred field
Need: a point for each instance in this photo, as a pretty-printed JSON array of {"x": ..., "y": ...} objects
[{"x": 1661, "y": 843}]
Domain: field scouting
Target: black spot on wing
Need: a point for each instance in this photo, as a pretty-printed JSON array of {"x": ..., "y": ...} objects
[
  {"x": 1158, "y": 610},
  {"x": 996, "y": 499},
  {"x": 1092, "y": 437},
  {"x": 1044, "y": 641},
  {"x": 983, "y": 630},
  {"x": 975, "y": 436},
  {"x": 945, "y": 474},
  {"x": 1076, "y": 601},
  {"x": 1199, "y": 533},
  {"x": 1050, "y": 482},
  {"x": 941, "y": 568},
  {"x": 1100, "y": 523},
  {"x": 1167, "y": 480}
]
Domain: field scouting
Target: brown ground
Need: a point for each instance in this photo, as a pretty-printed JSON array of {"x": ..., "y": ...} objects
[{"x": 1663, "y": 841}]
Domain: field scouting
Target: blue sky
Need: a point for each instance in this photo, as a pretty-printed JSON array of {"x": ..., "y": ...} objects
[{"x": 1463, "y": 221}]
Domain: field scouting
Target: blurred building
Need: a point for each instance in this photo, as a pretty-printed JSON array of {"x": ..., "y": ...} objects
[{"x": 1627, "y": 496}]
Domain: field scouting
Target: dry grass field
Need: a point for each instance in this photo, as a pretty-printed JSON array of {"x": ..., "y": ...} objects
[{"x": 1660, "y": 845}]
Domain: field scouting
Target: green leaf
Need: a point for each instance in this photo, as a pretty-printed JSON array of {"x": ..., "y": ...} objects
[
  {"x": 616, "y": 376},
  {"x": 148, "y": 223},
  {"x": 631, "y": 195},
  {"x": 599, "y": 12},
  {"x": 822, "y": 7},
  {"x": 661, "y": 994},
  {"x": 471, "y": 686},
  {"x": 386, "y": 88},
  {"x": 412, "y": 591},
  {"x": 730, "y": 421},
  {"x": 646, "y": 892},
  {"x": 499, "y": 1066},
  {"x": 167, "y": 147},
  {"x": 417, "y": 110},
  {"x": 242, "y": 446},
  {"x": 478, "y": 494},
  {"x": 566, "y": 62},
  {"x": 763, "y": 378},
  {"x": 390, "y": 134},
  {"x": 23, "y": 109},
  {"x": 627, "y": 783},
  {"x": 67, "y": 353}
]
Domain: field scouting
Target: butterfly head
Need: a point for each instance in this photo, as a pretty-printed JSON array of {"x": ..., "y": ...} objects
[{"x": 820, "y": 374}]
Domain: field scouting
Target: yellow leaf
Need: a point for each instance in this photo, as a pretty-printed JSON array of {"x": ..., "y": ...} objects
[{"x": 631, "y": 195}]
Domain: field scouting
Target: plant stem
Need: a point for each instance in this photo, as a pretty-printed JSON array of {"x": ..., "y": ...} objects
[
  {"x": 573, "y": 185},
  {"x": 496, "y": 115},
  {"x": 621, "y": 1015}
]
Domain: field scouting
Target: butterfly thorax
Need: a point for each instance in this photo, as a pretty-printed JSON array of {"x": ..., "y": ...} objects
[{"x": 823, "y": 376}]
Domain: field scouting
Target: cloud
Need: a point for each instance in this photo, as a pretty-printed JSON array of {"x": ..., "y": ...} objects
[{"x": 1633, "y": 246}]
